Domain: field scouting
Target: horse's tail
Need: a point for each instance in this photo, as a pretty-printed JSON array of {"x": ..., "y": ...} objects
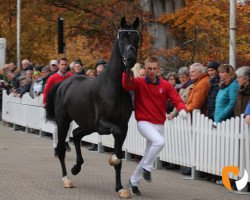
[{"x": 49, "y": 107}]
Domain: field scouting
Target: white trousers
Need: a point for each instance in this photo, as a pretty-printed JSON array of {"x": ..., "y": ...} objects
[
  {"x": 155, "y": 143},
  {"x": 55, "y": 137}
]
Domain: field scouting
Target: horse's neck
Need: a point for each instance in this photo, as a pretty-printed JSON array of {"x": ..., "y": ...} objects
[{"x": 116, "y": 65}]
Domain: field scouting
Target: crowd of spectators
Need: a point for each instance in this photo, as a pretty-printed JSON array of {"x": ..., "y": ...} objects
[{"x": 32, "y": 79}]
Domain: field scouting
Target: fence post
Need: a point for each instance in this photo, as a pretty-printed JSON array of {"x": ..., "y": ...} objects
[
  {"x": 158, "y": 163},
  {"x": 127, "y": 155},
  {"x": 195, "y": 122},
  {"x": 100, "y": 148}
]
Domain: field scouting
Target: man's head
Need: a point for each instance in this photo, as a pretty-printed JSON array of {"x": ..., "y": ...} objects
[
  {"x": 62, "y": 65},
  {"x": 78, "y": 66},
  {"x": 10, "y": 75},
  {"x": 25, "y": 63},
  {"x": 12, "y": 67},
  {"x": 212, "y": 69},
  {"x": 45, "y": 72},
  {"x": 53, "y": 65},
  {"x": 24, "y": 80},
  {"x": 29, "y": 74},
  {"x": 99, "y": 69},
  {"x": 196, "y": 70},
  {"x": 100, "y": 66},
  {"x": 152, "y": 68}
]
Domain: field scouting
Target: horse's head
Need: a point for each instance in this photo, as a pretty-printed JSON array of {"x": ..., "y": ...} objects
[{"x": 128, "y": 39}]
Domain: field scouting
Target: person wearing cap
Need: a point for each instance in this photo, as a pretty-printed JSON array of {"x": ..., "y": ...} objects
[
  {"x": 243, "y": 77},
  {"x": 53, "y": 66},
  {"x": 212, "y": 70},
  {"x": 100, "y": 66},
  {"x": 57, "y": 77}
]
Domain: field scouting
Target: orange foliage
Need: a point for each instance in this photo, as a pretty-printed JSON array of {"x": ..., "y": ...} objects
[{"x": 203, "y": 29}]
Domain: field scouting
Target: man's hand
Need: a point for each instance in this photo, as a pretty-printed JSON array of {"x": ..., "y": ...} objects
[
  {"x": 169, "y": 117},
  {"x": 183, "y": 114}
]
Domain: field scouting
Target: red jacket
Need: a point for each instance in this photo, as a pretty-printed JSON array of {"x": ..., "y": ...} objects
[
  {"x": 55, "y": 78},
  {"x": 150, "y": 99}
]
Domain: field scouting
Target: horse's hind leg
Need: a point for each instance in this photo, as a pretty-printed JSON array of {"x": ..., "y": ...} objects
[
  {"x": 78, "y": 134},
  {"x": 61, "y": 150}
]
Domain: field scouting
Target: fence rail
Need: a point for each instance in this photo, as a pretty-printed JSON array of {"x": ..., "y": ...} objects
[{"x": 192, "y": 142}]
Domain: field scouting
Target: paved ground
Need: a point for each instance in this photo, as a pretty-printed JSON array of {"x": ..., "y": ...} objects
[{"x": 29, "y": 171}]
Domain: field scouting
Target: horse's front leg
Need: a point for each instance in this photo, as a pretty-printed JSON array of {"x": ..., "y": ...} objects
[
  {"x": 77, "y": 136},
  {"x": 119, "y": 140},
  {"x": 116, "y": 159},
  {"x": 106, "y": 128}
]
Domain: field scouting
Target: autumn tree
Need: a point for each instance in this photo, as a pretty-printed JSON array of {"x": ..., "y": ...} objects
[
  {"x": 178, "y": 31},
  {"x": 90, "y": 27},
  {"x": 202, "y": 27}
]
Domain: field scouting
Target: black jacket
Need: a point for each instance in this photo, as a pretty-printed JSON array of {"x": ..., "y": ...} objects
[
  {"x": 242, "y": 100},
  {"x": 214, "y": 82}
]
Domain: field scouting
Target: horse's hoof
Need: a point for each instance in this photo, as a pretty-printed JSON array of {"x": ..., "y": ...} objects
[
  {"x": 113, "y": 160},
  {"x": 67, "y": 183},
  {"x": 75, "y": 170},
  {"x": 123, "y": 194}
]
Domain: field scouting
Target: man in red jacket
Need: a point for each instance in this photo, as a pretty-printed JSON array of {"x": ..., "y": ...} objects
[
  {"x": 151, "y": 95},
  {"x": 57, "y": 77}
]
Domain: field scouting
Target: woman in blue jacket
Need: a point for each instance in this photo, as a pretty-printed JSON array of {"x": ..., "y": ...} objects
[{"x": 226, "y": 97}]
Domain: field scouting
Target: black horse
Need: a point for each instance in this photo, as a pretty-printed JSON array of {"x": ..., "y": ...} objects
[{"x": 96, "y": 105}]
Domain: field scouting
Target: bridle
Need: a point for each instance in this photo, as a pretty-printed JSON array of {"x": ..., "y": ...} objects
[{"x": 127, "y": 48}]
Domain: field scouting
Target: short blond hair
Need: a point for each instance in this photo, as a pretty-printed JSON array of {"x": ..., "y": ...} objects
[{"x": 151, "y": 59}]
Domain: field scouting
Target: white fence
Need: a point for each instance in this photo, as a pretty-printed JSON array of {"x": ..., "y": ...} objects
[{"x": 195, "y": 143}]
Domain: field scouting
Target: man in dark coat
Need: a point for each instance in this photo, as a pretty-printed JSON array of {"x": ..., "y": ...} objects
[{"x": 214, "y": 82}]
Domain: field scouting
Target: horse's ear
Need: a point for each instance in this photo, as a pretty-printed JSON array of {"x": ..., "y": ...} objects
[
  {"x": 136, "y": 23},
  {"x": 123, "y": 22}
]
